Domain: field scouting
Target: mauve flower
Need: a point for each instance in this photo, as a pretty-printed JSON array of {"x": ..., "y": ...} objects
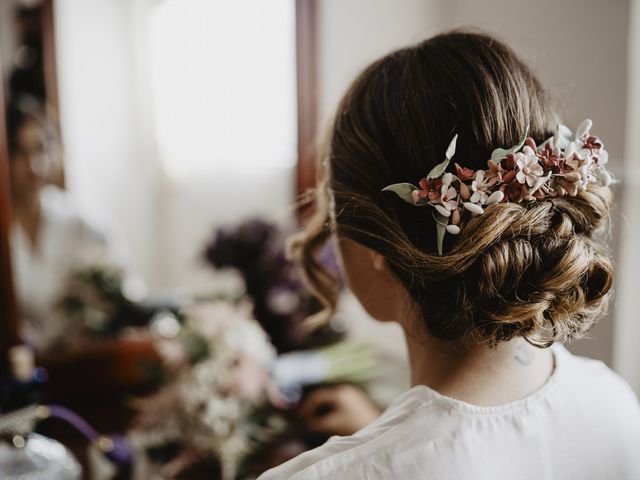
[
  {"x": 569, "y": 183},
  {"x": 510, "y": 162},
  {"x": 494, "y": 174},
  {"x": 529, "y": 170},
  {"x": 515, "y": 191},
  {"x": 430, "y": 189},
  {"x": 463, "y": 173},
  {"x": 549, "y": 158},
  {"x": 593, "y": 147}
]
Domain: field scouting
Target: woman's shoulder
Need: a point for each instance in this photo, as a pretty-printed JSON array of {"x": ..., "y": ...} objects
[
  {"x": 423, "y": 429},
  {"x": 359, "y": 455}
]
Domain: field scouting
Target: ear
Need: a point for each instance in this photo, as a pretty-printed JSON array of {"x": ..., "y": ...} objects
[{"x": 377, "y": 261}]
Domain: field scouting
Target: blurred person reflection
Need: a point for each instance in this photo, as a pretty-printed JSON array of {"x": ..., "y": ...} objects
[{"x": 49, "y": 234}]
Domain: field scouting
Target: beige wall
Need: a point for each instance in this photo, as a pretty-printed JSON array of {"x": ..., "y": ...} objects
[{"x": 353, "y": 33}]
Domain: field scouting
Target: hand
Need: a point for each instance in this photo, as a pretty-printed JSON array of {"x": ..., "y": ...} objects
[{"x": 338, "y": 410}]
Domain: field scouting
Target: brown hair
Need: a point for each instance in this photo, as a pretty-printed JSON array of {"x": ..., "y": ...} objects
[{"x": 530, "y": 269}]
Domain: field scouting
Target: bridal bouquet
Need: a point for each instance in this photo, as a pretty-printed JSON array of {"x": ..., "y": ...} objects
[{"x": 210, "y": 410}]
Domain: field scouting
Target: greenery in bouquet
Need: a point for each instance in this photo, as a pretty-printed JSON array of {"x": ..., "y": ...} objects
[
  {"x": 217, "y": 404},
  {"x": 99, "y": 301}
]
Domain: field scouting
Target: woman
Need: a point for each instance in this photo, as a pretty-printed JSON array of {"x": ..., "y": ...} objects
[
  {"x": 498, "y": 268},
  {"x": 49, "y": 235}
]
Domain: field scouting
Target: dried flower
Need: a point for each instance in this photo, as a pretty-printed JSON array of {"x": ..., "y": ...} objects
[
  {"x": 564, "y": 164},
  {"x": 529, "y": 169}
]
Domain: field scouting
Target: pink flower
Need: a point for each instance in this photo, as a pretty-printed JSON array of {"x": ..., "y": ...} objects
[
  {"x": 594, "y": 147},
  {"x": 430, "y": 189},
  {"x": 448, "y": 201},
  {"x": 529, "y": 169},
  {"x": 494, "y": 174},
  {"x": 510, "y": 162},
  {"x": 568, "y": 184},
  {"x": 549, "y": 159},
  {"x": 249, "y": 380},
  {"x": 449, "y": 198},
  {"x": 515, "y": 191},
  {"x": 464, "y": 173}
]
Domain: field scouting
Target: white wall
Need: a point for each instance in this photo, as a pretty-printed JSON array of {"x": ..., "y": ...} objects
[{"x": 105, "y": 162}]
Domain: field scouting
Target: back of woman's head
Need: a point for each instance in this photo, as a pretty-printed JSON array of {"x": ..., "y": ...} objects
[{"x": 528, "y": 269}]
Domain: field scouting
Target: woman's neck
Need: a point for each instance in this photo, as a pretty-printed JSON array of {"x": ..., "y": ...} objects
[{"x": 480, "y": 375}]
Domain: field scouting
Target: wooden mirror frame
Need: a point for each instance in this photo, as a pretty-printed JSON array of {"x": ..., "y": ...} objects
[
  {"x": 8, "y": 305},
  {"x": 307, "y": 74}
]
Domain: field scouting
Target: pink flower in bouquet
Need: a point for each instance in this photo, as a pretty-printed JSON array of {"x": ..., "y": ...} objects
[{"x": 249, "y": 380}]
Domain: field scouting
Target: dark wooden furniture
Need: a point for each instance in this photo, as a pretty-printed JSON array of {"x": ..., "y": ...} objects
[
  {"x": 307, "y": 72},
  {"x": 8, "y": 304}
]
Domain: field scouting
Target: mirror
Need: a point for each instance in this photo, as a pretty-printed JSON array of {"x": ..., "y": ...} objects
[{"x": 156, "y": 149}]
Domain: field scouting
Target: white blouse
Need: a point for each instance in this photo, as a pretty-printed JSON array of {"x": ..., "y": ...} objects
[
  {"x": 67, "y": 239},
  {"x": 583, "y": 424}
]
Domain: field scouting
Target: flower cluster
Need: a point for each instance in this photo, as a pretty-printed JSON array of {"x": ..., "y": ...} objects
[
  {"x": 208, "y": 409},
  {"x": 564, "y": 164}
]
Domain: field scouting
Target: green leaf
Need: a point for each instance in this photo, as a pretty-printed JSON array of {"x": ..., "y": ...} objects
[
  {"x": 500, "y": 153},
  {"x": 451, "y": 149},
  {"x": 403, "y": 190},
  {"x": 438, "y": 170},
  {"x": 441, "y": 228}
]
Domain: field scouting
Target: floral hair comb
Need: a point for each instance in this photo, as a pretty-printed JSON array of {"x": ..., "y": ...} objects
[{"x": 564, "y": 164}]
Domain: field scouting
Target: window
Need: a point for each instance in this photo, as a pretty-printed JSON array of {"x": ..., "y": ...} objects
[{"x": 224, "y": 84}]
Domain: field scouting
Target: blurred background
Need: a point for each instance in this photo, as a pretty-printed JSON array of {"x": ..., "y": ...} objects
[{"x": 152, "y": 154}]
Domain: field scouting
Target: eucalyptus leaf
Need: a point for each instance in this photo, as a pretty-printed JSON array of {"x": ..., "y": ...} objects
[
  {"x": 451, "y": 149},
  {"x": 441, "y": 229},
  {"x": 438, "y": 170},
  {"x": 403, "y": 190},
  {"x": 500, "y": 153}
]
